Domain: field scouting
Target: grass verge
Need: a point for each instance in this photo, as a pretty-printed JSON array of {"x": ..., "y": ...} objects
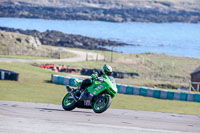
[{"x": 133, "y": 102}]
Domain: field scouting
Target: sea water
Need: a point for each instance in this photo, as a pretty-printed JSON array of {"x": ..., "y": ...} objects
[{"x": 178, "y": 39}]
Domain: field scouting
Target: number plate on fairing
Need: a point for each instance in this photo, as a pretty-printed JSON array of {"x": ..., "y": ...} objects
[{"x": 87, "y": 103}]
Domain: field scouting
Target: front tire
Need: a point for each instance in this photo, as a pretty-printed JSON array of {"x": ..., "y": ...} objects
[
  {"x": 101, "y": 104},
  {"x": 68, "y": 104}
]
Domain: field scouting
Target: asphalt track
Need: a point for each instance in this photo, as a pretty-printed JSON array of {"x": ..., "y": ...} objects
[{"x": 19, "y": 117}]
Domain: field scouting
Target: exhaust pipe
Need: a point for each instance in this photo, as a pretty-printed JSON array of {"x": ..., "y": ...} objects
[{"x": 70, "y": 90}]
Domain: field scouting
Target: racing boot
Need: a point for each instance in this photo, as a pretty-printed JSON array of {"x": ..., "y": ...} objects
[{"x": 77, "y": 93}]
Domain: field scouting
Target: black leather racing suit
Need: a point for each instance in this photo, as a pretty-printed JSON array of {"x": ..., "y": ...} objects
[{"x": 87, "y": 82}]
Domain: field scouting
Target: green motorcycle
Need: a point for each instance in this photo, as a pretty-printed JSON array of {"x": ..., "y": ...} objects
[{"x": 98, "y": 96}]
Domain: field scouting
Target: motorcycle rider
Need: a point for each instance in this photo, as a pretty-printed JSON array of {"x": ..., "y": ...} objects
[{"x": 106, "y": 70}]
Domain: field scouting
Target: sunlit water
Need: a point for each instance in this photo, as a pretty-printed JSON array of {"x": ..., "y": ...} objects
[{"x": 179, "y": 39}]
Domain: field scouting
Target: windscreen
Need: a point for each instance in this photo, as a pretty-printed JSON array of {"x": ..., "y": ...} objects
[{"x": 112, "y": 79}]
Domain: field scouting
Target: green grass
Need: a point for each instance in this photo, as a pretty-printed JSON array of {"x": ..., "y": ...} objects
[
  {"x": 133, "y": 102},
  {"x": 34, "y": 86}
]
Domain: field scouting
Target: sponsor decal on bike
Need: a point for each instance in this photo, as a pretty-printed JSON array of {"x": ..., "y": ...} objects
[
  {"x": 91, "y": 95},
  {"x": 99, "y": 87}
]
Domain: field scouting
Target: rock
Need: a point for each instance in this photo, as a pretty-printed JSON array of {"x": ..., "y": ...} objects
[
  {"x": 57, "y": 38},
  {"x": 19, "y": 44},
  {"x": 32, "y": 42},
  {"x": 27, "y": 41}
]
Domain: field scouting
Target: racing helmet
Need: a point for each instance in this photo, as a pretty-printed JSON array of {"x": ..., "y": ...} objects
[{"x": 106, "y": 69}]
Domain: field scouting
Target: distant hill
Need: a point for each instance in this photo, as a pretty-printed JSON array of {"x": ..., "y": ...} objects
[{"x": 105, "y": 10}]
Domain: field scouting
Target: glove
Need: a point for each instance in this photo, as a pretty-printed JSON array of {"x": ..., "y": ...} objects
[
  {"x": 94, "y": 76},
  {"x": 100, "y": 79}
]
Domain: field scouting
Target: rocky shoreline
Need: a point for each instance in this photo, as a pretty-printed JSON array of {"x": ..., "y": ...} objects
[
  {"x": 113, "y": 11},
  {"x": 56, "y": 38}
]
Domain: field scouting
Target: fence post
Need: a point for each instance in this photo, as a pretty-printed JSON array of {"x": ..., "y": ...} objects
[
  {"x": 97, "y": 57},
  {"x": 143, "y": 60},
  {"x": 8, "y": 50},
  {"x": 197, "y": 86},
  {"x": 59, "y": 54},
  {"x": 86, "y": 56}
]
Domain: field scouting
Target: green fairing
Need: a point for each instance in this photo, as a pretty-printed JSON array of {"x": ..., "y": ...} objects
[{"x": 97, "y": 87}]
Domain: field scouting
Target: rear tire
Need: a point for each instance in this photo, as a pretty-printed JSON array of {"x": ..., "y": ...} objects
[
  {"x": 99, "y": 107},
  {"x": 68, "y": 104}
]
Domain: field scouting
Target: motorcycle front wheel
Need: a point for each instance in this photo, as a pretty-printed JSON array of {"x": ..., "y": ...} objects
[
  {"x": 68, "y": 104},
  {"x": 102, "y": 103}
]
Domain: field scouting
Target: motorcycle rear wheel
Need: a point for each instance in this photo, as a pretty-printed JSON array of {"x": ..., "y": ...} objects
[
  {"x": 68, "y": 104},
  {"x": 102, "y": 104}
]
